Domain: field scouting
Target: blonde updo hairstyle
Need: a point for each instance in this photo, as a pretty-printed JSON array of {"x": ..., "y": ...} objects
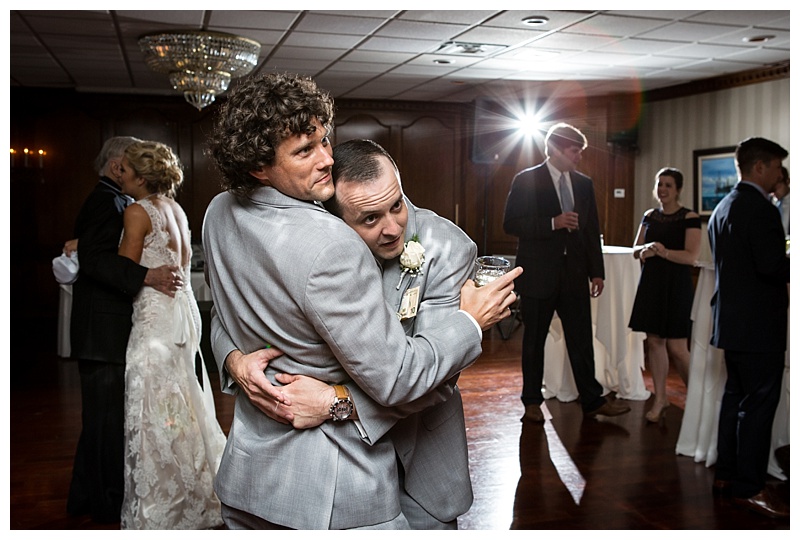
[{"x": 157, "y": 165}]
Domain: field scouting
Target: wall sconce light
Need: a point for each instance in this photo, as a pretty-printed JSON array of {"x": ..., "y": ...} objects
[{"x": 28, "y": 157}]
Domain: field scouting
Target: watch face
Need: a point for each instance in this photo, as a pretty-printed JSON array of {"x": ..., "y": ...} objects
[{"x": 342, "y": 409}]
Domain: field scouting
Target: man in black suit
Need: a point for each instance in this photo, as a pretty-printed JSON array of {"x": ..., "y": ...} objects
[
  {"x": 551, "y": 208},
  {"x": 102, "y": 305},
  {"x": 749, "y": 309}
]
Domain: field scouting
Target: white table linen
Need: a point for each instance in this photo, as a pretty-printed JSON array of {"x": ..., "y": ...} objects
[
  {"x": 64, "y": 315},
  {"x": 202, "y": 292},
  {"x": 707, "y": 376},
  {"x": 618, "y": 351}
]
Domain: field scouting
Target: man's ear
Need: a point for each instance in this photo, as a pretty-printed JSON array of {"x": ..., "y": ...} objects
[
  {"x": 261, "y": 175},
  {"x": 115, "y": 165},
  {"x": 758, "y": 169}
]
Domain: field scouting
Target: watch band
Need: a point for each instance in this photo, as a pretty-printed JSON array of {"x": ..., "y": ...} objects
[{"x": 341, "y": 391}]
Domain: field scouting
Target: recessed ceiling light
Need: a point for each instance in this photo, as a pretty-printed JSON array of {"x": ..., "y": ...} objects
[
  {"x": 535, "y": 20},
  {"x": 757, "y": 39},
  {"x": 442, "y": 61}
]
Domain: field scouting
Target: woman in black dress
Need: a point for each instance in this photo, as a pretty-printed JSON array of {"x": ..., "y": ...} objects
[{"x": 668, "y": 244}]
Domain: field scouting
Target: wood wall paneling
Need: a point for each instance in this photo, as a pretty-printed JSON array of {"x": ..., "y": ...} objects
[{"x": 430, "y": 142}]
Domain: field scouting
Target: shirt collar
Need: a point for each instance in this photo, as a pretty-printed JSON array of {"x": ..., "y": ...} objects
[
  {"x": 110, "y": 183},
  {"x": 759, "y": 188},
  {"x": 555, "y": 173}
]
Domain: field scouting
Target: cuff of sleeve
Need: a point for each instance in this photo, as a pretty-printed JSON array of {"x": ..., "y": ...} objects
[
  {"x": 474, "y": 322},
  {"x": 361, "y": 431}
]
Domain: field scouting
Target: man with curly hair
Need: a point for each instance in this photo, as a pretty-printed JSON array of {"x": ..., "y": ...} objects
[{"x": 287, "y": 274}]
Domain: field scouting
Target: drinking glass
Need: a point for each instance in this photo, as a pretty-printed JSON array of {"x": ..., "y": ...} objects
[{"x": 488, "y": 269}]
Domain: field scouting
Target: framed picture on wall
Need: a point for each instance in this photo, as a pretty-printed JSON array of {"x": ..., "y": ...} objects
[{"x": 714, "y": 176}]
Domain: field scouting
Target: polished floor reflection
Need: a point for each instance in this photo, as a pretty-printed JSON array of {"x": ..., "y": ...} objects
[
  {"x": 619, "y": 473},
  {"x": 625, "y": 471}
]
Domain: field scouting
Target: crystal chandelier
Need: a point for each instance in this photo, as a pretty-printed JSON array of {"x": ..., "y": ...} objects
[{"x": 200, "y": 64}]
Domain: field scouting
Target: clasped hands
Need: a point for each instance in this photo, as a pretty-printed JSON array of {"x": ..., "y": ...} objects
[
  {"x": 653, "y": 249},
  {"x": 301, "y": 401}
]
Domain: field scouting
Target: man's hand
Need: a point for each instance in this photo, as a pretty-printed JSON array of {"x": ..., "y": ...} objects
[
  {"x": 567, "y": 220},
  {"x": 70, "y": 246},
  {"x": 310, "y": 400},
  {"x": 492, "y": 302},
  {"x": 248, "y": 372},
  {"x": 164, "y": 279},
  {"x": 597, "y": 287}
]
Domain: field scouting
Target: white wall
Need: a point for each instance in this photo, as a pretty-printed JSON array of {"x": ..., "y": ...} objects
[{"x": 670, "y": 130}]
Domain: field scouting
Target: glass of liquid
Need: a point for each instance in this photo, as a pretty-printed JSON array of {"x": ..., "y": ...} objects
[{"x": 488, "y": 269}]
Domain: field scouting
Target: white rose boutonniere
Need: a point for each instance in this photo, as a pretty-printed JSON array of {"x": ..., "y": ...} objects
[{"x": 411, "y": 259}]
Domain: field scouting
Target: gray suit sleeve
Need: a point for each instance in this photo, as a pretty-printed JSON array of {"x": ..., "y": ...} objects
[
  {"x": 221, "y": 346},
  {"x": 371, "y": 345}
]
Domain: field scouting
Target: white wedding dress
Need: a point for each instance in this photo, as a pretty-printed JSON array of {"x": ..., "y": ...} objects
[{"x": 173, "y": 442}]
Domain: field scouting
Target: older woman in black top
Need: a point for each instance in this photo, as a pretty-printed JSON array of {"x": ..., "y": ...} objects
[{"x": 668, "y": 244}]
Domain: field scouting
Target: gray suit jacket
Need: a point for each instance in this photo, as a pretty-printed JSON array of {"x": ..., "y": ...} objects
[
  {"x": 286, "y": 272},
  {"x": 432, "y": 444}
]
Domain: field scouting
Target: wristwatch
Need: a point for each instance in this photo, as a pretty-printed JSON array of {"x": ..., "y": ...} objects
[{"x": 342, "y": 407}]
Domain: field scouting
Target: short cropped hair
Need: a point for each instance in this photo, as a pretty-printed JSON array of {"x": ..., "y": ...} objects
[
  {"x": 751, "y": 151},
  {"x": 259, "y": 114},
  {"x": 113, "y": 148},
  {"x": 157, "y": 164},
  {"x": 356, "y": 161},
  {"x": 563, "y": 136}
]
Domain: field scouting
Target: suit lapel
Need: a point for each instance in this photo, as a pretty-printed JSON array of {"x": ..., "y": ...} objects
[
  {"x": 392, "y": 270},
  {"x": 578, "y": 194},
  {"x": 548, "y": 192}
]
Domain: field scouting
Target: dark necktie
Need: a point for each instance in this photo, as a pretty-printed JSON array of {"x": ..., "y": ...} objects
[{"x": 566, "y": 197}]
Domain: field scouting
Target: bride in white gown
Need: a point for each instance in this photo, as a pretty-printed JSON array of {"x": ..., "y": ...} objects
[{"x": 173, "y": 442}]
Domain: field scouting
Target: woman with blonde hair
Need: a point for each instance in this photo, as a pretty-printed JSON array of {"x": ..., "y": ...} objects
[{"x": 173, "y": 442}]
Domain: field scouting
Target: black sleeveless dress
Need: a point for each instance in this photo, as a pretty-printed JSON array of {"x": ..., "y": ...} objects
[{"x": 663, "y": 303}]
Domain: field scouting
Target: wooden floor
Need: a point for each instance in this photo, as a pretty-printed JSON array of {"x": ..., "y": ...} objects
[{"x": 630, "y": 474}]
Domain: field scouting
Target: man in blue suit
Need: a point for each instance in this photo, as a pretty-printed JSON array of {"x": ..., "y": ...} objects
[
  {"x": 749, "y": 309},
  {"x": 551, "y": 208}
]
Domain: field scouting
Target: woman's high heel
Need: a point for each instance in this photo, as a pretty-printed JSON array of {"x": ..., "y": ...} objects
[{"x": 656, "y": 416}]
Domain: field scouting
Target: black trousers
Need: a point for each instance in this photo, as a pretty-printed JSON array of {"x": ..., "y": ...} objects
[
  {"x": 97, "y": 485},
  {"x": 752, "y": 393},
  {"x": 575, "y": 312}
]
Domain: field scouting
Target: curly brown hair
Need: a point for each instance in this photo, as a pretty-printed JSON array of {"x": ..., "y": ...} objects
[
  {"x": 157, "y": 164},
  {"x": 257, "y": 116}
]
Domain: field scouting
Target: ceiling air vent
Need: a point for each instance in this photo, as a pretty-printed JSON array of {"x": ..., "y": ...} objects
[{"x": 462, "y": 48}]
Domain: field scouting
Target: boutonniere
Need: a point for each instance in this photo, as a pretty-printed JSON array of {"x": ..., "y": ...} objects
[{"x": 411, "y": 259}]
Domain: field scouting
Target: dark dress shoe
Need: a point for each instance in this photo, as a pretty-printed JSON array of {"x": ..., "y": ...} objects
[
  {"x": 721, "y": 488},
  {"x": 609, "y": 408},
  {"x": 766, "y": 503},
  {"x": 533, "y": 413}
]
